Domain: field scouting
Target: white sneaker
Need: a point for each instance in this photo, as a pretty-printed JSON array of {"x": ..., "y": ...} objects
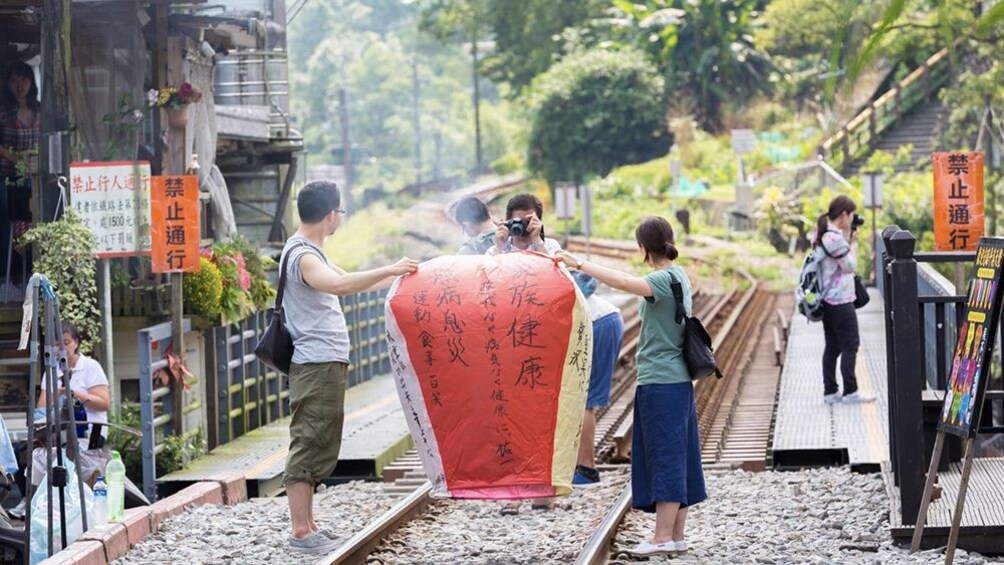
[
  {"x": 831, "y": 398},
  {"x": 857, "y": 398},
  {"x": 681, "y": 545},
  {"x": 18, "y": 511},
  {"x": 649, "y": 548}
]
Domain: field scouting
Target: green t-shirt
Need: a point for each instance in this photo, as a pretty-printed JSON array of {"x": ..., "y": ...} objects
[{"x": 660, "y": 347}]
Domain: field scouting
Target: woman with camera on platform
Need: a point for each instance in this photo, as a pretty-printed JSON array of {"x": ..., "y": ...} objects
[
  {"x": 836, "y": 237},
  {"x": 666, "y": 474}
]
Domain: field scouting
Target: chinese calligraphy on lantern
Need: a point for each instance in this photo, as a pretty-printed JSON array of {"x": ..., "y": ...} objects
[
  {"x": 958, "y": 201},
  {"x": 113, "y": 202},
  {"x": 174, "y": 203}
]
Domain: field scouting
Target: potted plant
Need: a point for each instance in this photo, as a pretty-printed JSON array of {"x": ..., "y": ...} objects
[{"x": 175, "y": 101}]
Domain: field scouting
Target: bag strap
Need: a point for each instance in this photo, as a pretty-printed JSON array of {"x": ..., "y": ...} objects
[
  {"x": 282, "y": 274},
  {"x": 678, "y": 296},
  {"x": 847, "y": 250}
]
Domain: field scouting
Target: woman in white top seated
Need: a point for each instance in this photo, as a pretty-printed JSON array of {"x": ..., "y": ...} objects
[{"x": 89, "y": 388}]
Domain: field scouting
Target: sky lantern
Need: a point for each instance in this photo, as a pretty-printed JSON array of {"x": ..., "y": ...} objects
[{"x": 491, "y": 357}]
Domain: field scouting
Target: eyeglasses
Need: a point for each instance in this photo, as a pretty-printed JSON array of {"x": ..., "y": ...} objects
[{"x": 340, "y": 211}]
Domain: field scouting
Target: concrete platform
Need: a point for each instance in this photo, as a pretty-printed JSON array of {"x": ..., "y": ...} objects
[
  {"x": 375, "y": 434},
  {"x": 809, "y": 433}
]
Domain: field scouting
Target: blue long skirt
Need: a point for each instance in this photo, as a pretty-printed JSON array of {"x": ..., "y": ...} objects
[{"x": 666, "y": 449}]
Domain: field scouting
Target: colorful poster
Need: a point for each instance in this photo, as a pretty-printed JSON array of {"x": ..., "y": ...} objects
[
  {"x": 970, "y": 369},
  {"x": 958, "y": 201},
  {"x": 113, "y": 201},
  {"x": 491, "y": 357},
  {"x": 174, "y": 226}
]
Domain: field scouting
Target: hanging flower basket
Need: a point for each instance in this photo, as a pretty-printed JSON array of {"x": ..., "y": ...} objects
[{"x": 177, "y": 117}]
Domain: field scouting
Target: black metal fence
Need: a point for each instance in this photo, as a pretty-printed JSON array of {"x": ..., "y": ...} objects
[{"x": 923, "y": 312}]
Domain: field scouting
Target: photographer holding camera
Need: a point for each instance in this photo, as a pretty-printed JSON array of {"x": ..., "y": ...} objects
[
  {"x": 836, "y": 236},
  {"x": 523, "y": 230}
]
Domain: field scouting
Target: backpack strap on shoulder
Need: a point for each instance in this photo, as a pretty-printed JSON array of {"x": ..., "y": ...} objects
[
  {"x": 847, "y": 250},
  {"x": 677, "y": 288}
]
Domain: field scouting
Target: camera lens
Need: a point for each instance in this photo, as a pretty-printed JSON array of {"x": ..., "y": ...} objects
[{"x": 518, "y": 229}]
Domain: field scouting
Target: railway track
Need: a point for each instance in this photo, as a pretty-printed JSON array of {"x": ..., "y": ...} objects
[{"x": 735, "y": 320}]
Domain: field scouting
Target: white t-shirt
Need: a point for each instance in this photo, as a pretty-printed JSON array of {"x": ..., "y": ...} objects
[
  {"x": 551, "y": 248},
  {"x": 87, "y": 374},
  {"x": 599, "y": 307}
]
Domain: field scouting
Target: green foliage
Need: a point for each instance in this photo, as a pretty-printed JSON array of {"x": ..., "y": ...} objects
[
  {"x": 593, "y": 111},
  {"x": 704, "y": 49},
  {"x": 180, "y": 451},
  {"x": 778, "y": 217},
  {"x": 203, "y": 289},
  {"x": 367, "y": 48},
  {"x": 128, "y": 445},
  {"x": 367, "y": 238},
  {"x": 981, "y": 83},
  {"x": 124, "y": 126},
  {"x": 64, "y": 253}
]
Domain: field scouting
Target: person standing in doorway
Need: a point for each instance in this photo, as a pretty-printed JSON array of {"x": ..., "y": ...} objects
[
  {"x": 20, "y": 123},
  {"x": 836, "y": 239},
  {"x": 317, "y": 374}
]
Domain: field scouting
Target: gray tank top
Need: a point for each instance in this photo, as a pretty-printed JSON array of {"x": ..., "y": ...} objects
[{"x": 314, "y": 319}]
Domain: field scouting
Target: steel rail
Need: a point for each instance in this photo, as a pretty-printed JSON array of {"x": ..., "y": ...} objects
[{"x": 358, "y": 547}]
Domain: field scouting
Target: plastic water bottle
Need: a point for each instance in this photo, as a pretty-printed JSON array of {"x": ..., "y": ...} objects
[
  {"x": 115, "y": 474},
  {"x": 100, "y": 503}
]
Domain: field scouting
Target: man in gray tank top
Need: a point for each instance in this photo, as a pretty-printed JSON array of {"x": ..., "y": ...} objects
[{"x": 320, "y": 361}]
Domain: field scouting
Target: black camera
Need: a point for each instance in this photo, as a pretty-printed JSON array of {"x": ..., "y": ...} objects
[
  {"x": 856, "y": 222},
  {"x": 517, "y": 227}
]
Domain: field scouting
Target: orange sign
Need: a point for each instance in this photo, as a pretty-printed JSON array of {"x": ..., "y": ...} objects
[
  {"x": 958, "y": 201},
  {"x": 174, "y": 224}
]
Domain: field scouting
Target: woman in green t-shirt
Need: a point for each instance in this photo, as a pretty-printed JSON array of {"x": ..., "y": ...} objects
[{"x": 666, "y": 473}]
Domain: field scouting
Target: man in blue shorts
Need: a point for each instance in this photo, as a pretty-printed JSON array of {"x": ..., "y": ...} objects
[{"x": 608, "y": 332}]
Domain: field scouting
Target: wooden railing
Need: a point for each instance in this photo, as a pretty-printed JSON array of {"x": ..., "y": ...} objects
[{"x": 860, "y": 135}]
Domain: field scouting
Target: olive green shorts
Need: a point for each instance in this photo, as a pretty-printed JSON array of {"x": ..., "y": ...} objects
[{"x": 317, "y": 400}]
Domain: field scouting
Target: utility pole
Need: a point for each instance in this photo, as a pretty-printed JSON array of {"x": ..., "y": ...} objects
[
  {"x": 437, "y": 163},
  {"x": 343, "y": 112},
  {"x": 416, "y": 119},
  {"x": 477, "y": 104}
]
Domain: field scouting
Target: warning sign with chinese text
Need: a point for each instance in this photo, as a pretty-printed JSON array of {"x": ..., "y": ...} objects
[
  {"x": 113, "y": 202},
  {"x": 174, "y": 230},
  {"x": 958, "y": 201}
]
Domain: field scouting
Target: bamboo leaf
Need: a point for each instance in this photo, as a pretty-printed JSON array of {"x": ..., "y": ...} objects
[
  {"x": 893, "y": 11},
  {"x": 992, "y": 17}
]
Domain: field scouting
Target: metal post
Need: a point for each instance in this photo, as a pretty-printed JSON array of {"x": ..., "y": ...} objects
[
  {"x": 477, "y": 105},
  {"x": 904, "y": 382},
  {"x": 146, "y": 416},
  {"x": 887, "y": 233},
  {"x": 107, "y": 350},
  {"x": 416, "y": 120}
]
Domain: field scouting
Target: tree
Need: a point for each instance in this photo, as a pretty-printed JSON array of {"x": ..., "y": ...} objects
[
  {"x": 527, "y": 34},
  {"x": 704, "y": 49},
  {"x": 593, "y": 111}
]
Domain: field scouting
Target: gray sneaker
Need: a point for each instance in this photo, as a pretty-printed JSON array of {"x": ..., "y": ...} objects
[{"x": 315, "y": 543}]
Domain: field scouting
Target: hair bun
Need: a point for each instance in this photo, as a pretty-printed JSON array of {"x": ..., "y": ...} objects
[{"x": 671, "y": 252}]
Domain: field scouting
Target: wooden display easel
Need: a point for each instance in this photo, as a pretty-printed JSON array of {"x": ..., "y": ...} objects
[{"x": 973, "y": 351}]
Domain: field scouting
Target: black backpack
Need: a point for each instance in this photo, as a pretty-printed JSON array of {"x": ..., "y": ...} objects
[{"x": 697, "y": 348}]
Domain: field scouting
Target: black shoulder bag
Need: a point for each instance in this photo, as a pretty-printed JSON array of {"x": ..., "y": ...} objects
[
  {"x": 275, "y": 348},
  {"x": 697, "y": 349}
]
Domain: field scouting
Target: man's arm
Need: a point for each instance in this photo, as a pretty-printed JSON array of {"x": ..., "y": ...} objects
[{"x": 338, "y": 282}]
